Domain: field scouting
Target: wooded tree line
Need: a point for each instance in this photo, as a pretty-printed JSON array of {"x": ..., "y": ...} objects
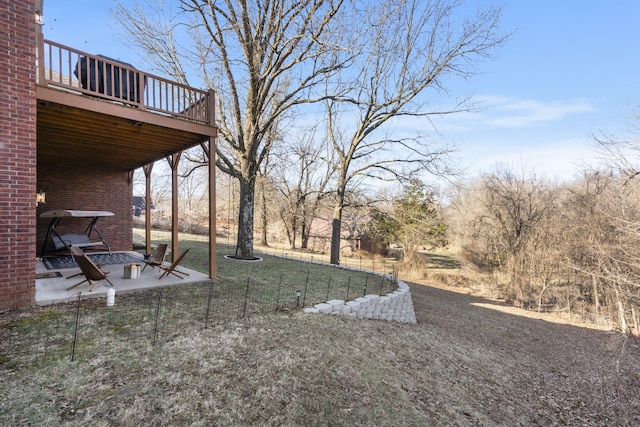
[
  {"x": 545, "y": 245},
  {"x": 541, "y": 245}
]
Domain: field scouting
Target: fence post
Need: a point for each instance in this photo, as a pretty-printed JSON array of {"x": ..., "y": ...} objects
[
  {"x": 278, "y": 294},
  {"x": 75, "y": 329},
  {"x": 246, "y": 295},
  {"x": 306, "y": 284},
  {"x": 155, "y": 328},
  {"x": 206, "y": 318}
]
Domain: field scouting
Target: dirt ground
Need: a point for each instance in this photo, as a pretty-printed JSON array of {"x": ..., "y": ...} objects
[{"x": 541, "y": 371}]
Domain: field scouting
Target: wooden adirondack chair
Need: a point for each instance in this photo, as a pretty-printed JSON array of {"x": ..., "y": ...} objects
[
  {"x": 172, "y": 268},
  {"x": 91, "y": 272},
  {"x": 157, "y": 257}
]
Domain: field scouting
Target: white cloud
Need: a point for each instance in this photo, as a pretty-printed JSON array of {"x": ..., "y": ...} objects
[
  {"x": 507, "y": 112},
  {"x": 496, "y": 112},
  {"x": 561, "y": 159}
]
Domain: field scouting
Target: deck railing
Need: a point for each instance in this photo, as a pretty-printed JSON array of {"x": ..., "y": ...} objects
[{"x": 106, "y": 78}]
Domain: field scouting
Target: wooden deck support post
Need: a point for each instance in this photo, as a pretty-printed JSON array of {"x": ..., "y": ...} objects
[
  {"x": 209, "y": 151},
  {"x": 147, "y": 207},
  {"x": 174, "y": 160}
]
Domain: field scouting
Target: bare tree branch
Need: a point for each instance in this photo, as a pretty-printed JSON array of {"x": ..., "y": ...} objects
[{"x": 407, "y": 47}]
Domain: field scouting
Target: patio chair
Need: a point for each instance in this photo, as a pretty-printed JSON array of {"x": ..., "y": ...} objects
[
  {"x": 172, "y": 268},
  {"x": 88, "y": 269},
  {"x": 157, "y": 257},
  {"x": 79, "y": 250}
]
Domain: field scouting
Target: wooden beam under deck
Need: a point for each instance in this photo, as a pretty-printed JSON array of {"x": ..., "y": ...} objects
[{"x": 74, "y": 127}]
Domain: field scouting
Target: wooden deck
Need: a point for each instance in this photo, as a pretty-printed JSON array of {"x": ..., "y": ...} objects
[{"x": 114, "y": 114}]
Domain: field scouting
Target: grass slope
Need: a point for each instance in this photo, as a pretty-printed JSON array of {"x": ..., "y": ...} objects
[{"x": 464, "y": 363}]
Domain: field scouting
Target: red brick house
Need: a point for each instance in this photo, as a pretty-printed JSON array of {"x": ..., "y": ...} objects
[{"x": 80, "y": 142}]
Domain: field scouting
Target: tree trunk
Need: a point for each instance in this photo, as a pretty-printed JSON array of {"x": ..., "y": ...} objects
[
  {"x": 263, "y": 215},
  {"x": 336, "y": 228},
  {"x": 596, "y": 298},
  {"x": 335, "y": 241},
  {"x": 244, "y": 245},
  {"x": 304, "y": 229},
  {"x": 621, "y": 314},
  {"x": 544, "y": 288},
  {"x": 304, "y": 234},
  {"x": 336, "y": 224},
  {"x": 623, "y": 319},
  {"x": 294, "y": 232}
]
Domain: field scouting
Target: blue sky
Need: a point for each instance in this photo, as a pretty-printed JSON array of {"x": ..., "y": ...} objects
[{"x": 570, "y": 70}]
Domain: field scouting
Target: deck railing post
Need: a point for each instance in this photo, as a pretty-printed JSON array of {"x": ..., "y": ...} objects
[{"x": 211, "y": 107}]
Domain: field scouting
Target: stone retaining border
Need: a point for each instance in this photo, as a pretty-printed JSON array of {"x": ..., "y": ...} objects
[{"x": 394, "y": 307}]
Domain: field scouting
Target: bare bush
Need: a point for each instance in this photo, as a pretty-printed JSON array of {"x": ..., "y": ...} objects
[{"x": 571, "y": 248}]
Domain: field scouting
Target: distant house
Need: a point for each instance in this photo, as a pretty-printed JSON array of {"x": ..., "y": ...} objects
[
  {"x": 353, "y": 237},
  {"x": 372, "y": 245},
  {"x": 139, "y": 205}
]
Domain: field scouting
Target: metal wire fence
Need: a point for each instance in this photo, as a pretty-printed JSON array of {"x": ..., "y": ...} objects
[{"x": 87, "y": 328}]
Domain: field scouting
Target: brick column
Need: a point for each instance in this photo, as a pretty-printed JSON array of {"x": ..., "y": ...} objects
[{"x": 17, "y": 153}]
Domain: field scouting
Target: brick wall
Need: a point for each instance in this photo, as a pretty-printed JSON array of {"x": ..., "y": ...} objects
[
  {"x": 17, "y": 153},
  {"x": 87, "y": 187}
]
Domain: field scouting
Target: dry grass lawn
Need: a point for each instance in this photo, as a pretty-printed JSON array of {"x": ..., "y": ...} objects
[{"x": 463, "y": 363}]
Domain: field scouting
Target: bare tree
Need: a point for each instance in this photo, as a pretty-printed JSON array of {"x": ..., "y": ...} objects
[
  {"x": 265, "y": 188},
  {"x": 407, "y": 47},
  {"x": 620, "y": 154},
  {"x": 193, "y": 190},
  {"x": 614, "y": 225},
  {"x": 507, "y": 229},
  {"x": 605, "y": 228},
  {"x": 160, "y": 183},
  {"x": 305, "y": 169},
  {"x": 575, "y": 244},
  {"x": 263, "y": 57},
  {"x": 266, "y": 185}
]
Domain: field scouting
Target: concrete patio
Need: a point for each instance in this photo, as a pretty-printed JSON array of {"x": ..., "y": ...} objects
[{"x": 50, "y": 290}]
